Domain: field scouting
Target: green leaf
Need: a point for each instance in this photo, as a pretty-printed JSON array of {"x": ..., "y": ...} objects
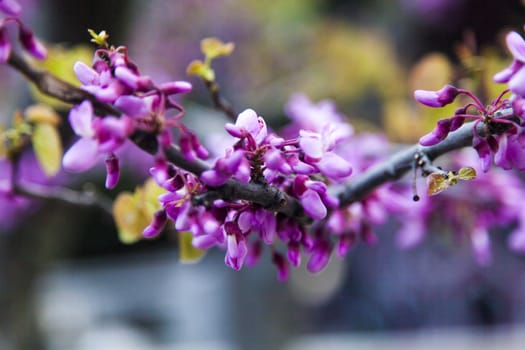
[
  {"x": 213, "y": 48},
  {"x": 436, "y": 184},
  {"x": 48, "y": 147},
  {"x": 467, "y": 173},
  {"x": 201, "y": 69},
  {"x": 188, "y": 254},
  {"x": 101, "y": 39},
  {"x": 129, "y": 218}
]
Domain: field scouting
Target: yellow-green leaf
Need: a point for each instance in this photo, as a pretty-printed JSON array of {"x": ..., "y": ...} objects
[
  {"x": 187, "y": 252},
  {"x": 48, "y": 147},
  {"x": 150, "y": 194},
  {"x": 467, "y": 173},
  {"x": 200, "y": 69},
  {"x": 101, "y": 39},
  {"x": 42, "y": 114},
  {"x": 436, "y": 184},
  {"x": 213, "y": 47},
  {"x": 129, "y": 218}
]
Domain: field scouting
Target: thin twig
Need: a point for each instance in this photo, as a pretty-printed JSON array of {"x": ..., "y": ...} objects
[
  {"x": 401, "y": 162},
  {"x": 64, "y": 194},
  {"x": 219, "y": 102}
]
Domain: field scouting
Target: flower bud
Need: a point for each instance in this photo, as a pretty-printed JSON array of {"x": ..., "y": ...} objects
[
  {"x": 112, "y": 171},
  {"x": 283, "y": 270},
  {"x": 10, "y": 7},
  {"x": 438, "y": 98},
  {"x": 157, "y": 225},
  {"x": 31, "y": 44},
  {"x": 5, "y": 45}
]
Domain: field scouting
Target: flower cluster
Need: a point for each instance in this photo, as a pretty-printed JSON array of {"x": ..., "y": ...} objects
[
  {"x": 114, "y": 79},
  {"x": 504, "y": 118},
  {"x": 318, "y": 153},
  {"x": 12, "y": 9}
]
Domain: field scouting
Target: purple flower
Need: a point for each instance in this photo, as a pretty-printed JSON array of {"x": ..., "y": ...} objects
[
  {"x": 439, "y": 98},
  {"x": 234, "y": 164},
  {"x": 313, "y": 117},
  {"x": 10, "y": 7},
  {"x": 98, "y": 136},
  {"x": 260, "y": 221},
  {"x": 157, "y": 225},
  {"x": 514, "y": 75},
  {"x": 5, "y": 45},
  {"x": 249, "y": 125},
  {"x": 511, "y": 151},
  {"x": 319, "y": 151},
  {"x": 283, "y": 270},
  {"x": 112, "y": 171},
  {"x": 30, "y": 43},
  {"x": 438, "y": 134},
  {"x": 99, "y": 83},
  {"x": 236, "y": 247},
  {"x": 313, "y": 196},
  {"x": 320, "y": 256}
]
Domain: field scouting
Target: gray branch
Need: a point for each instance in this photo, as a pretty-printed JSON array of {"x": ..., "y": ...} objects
[
  {"x": 266, "y": 196},
  {"x": 64, "y": 194}
]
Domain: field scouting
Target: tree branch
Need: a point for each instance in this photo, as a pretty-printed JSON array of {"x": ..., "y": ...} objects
[
  {"x": 266, "y": 196},
  {"x": 64, "y": 194},
  {"x": 400, "y": 163}
]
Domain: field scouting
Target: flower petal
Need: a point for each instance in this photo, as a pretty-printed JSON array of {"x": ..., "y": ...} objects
[
  {"x": 81, "y": 156},
  {"x": 334, "y": 166},
  {"x": 81, "y": 119},
  {"x": 516, "y": 45}
]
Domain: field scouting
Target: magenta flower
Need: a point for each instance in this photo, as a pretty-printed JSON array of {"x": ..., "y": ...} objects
[
  {"x": 236, "y": 247},
  {"x": 10, "y": 7},
  {"x": 98, "y": 136},
  {"x": 99, "y": 83},
  {"x": 511, "y": 151},
  {"x": 249, "y": 125},
  {"x": 30, "y": 43},
  {"x": 514, "y": 75},
  {"x": 234, "y": 164},
  {"x": 438, "y": 98},
  {"x": 5, "y": 45},
  {"x": 312, "y": 116},
  {"x": 319, "y": 150}
]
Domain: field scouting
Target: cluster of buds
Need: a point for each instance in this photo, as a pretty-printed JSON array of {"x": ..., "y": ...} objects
[{"x": 114, "y": 79}]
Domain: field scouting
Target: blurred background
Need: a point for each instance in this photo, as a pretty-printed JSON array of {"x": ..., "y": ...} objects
[{"x": 67, "y": 282}]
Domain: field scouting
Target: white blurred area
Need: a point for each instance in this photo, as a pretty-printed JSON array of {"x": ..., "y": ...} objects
[
  {"x": 151, "y": 302},
  {"x": 148, "y": 302},
  {"x": 449, "y": 339}
]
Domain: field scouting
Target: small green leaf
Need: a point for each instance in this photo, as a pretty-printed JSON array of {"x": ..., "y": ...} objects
[
  {"x": 436, "y": 184},
  {"x": 129, "y": 218},
  {"x": 48, "y": 147},
  {"x": 101, "y": 39},
  {"x": 188, "y": 254},
  {"x": 201, "y": 69},
  {"x": 213, "y": 48},
  {"x": 467, "y": 173}
]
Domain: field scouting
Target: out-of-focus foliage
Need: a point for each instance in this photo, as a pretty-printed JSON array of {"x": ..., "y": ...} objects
[
  {"x": 37, "y": 126},
  {"x": 45, "y": 137},
  {"x": 211, "y": 48},
  {"x": 59, "y": 62},
  {"x": 439, "y": 182},
  {"x": 188, "y": 254},
  {"x": 134, "y": 211}
]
